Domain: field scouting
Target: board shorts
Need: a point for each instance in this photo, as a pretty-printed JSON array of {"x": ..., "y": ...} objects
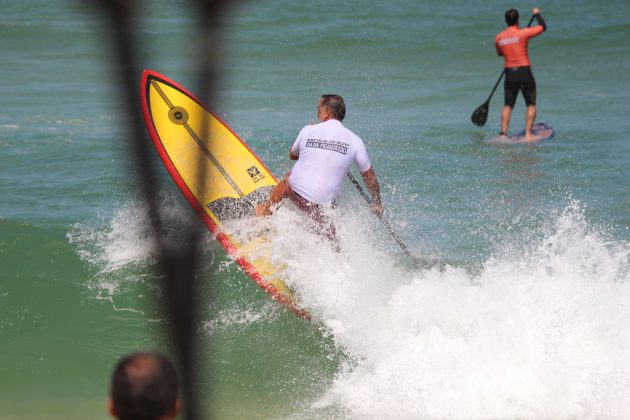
[
  {"x": 315, "y": 211},
  {"x": 519, "y": 78}
]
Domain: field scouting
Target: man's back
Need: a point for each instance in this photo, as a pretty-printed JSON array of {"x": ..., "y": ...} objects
[
  {"x": 512, "y": 44},
  {"x": 326, "y": 152}
]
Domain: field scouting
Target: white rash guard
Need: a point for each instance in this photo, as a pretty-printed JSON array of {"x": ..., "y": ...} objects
[{"x": 326, "y": 152}]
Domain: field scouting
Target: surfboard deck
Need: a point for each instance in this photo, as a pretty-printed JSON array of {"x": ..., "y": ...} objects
[
  {"x": 541, "y": 129},
  {"x": 220, "y": 176}
]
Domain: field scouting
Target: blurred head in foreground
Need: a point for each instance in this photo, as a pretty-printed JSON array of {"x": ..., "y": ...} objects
[{"x": 144, "y": 387}]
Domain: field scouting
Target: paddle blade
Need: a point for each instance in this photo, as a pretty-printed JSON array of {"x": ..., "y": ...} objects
[{"x": 480, "y": 115}]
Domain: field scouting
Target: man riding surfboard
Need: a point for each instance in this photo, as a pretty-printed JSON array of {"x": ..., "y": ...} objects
[
  {"x": 512, "y": 43},
  {"x": 324, "y": 153}
]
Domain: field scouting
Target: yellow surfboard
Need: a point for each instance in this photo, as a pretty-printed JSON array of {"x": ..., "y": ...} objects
[{"x": 222, "y": 178}]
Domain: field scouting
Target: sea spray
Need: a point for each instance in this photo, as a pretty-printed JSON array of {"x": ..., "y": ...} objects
[
  {"x": 120, "y": 245},
  {"x": 539, "y": 331},
  {"x": 542, "y": 333}
]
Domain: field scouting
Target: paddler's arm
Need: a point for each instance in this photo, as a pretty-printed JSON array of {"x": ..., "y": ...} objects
[
  {"x": 293, "y": 156},
  {"x": 279, "y": 192},
  {"x": 539, "y": 18},
  {"x": 277, "y": 195},
  {"x": 369, "y": 177}
]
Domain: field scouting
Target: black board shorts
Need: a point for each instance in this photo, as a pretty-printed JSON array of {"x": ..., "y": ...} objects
[{"x": 519, "y": 78}]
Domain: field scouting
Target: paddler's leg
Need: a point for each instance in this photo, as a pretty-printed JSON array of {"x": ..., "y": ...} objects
[
  {"x": 506, "y": 115},
  {"x": 510, "y": 92},
  {"x": 324, "y": 225},
  {"x": 529, "y": 93},
  {"x": 530, "y": 117},
  {"x": 277, "y": 195}
]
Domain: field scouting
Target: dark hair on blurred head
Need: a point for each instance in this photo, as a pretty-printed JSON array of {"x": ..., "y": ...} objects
[
  {"x": 336, "y": 105},
  {"x": 144, "y": 387},
  {"x": 511, "y": 17}
]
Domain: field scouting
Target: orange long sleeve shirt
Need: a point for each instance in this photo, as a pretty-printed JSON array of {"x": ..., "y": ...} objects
[{"x": 512, "y": 44}]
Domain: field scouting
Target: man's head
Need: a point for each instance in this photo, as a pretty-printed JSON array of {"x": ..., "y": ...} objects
[
  {"x": 144, "y": 387},
  {"x": 511, "y": 17},
  {"x": 331, "y": 106}
]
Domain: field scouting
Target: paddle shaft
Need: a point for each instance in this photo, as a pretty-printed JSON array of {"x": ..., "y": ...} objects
[
  {"x": 495, "y": 87},
  {"x": 380, "y": 216}
]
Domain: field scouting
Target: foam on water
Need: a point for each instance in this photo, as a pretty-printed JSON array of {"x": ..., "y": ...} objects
[
  {"x": 118, "y": 246},
  {"x": 538, "y": 333},
  {"x": 239, "y": 317},
  {"x": 125, "y": 237}
]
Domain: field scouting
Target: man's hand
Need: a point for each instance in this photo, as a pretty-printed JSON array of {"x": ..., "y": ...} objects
[
  {"x": 263, "y": 209},
  {"x": 535, "y": 11}
]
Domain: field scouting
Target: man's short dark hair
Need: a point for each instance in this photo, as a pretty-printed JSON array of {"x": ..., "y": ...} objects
[
  {"x": 144, "y": 387},
  {"x": 511, "y": 17},
  {"x": 336, "y": 105}
]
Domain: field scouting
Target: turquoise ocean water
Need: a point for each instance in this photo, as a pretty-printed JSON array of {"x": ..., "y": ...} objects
[{"x": 530, "y": 318}]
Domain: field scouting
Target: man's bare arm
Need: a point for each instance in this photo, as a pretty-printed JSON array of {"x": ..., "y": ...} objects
[
  {"x": 369, "y": 177},
  {"x": 291, "y": 155}
]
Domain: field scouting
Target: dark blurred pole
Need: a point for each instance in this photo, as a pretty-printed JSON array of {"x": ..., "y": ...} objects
[
  {"x": 211, "y": 14},
  {"x": 178, "y": 262},
  {"x": 210, "y": 19}
]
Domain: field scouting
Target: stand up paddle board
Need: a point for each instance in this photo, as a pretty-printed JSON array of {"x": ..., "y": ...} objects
[
  {"x": 541, "y": 129},
  {"x": 545, "y": 131},
  {"x": 222, "y": 178}
]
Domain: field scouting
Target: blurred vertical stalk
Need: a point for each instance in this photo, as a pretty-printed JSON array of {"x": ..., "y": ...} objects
[{"x": 178, "y": 262}]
